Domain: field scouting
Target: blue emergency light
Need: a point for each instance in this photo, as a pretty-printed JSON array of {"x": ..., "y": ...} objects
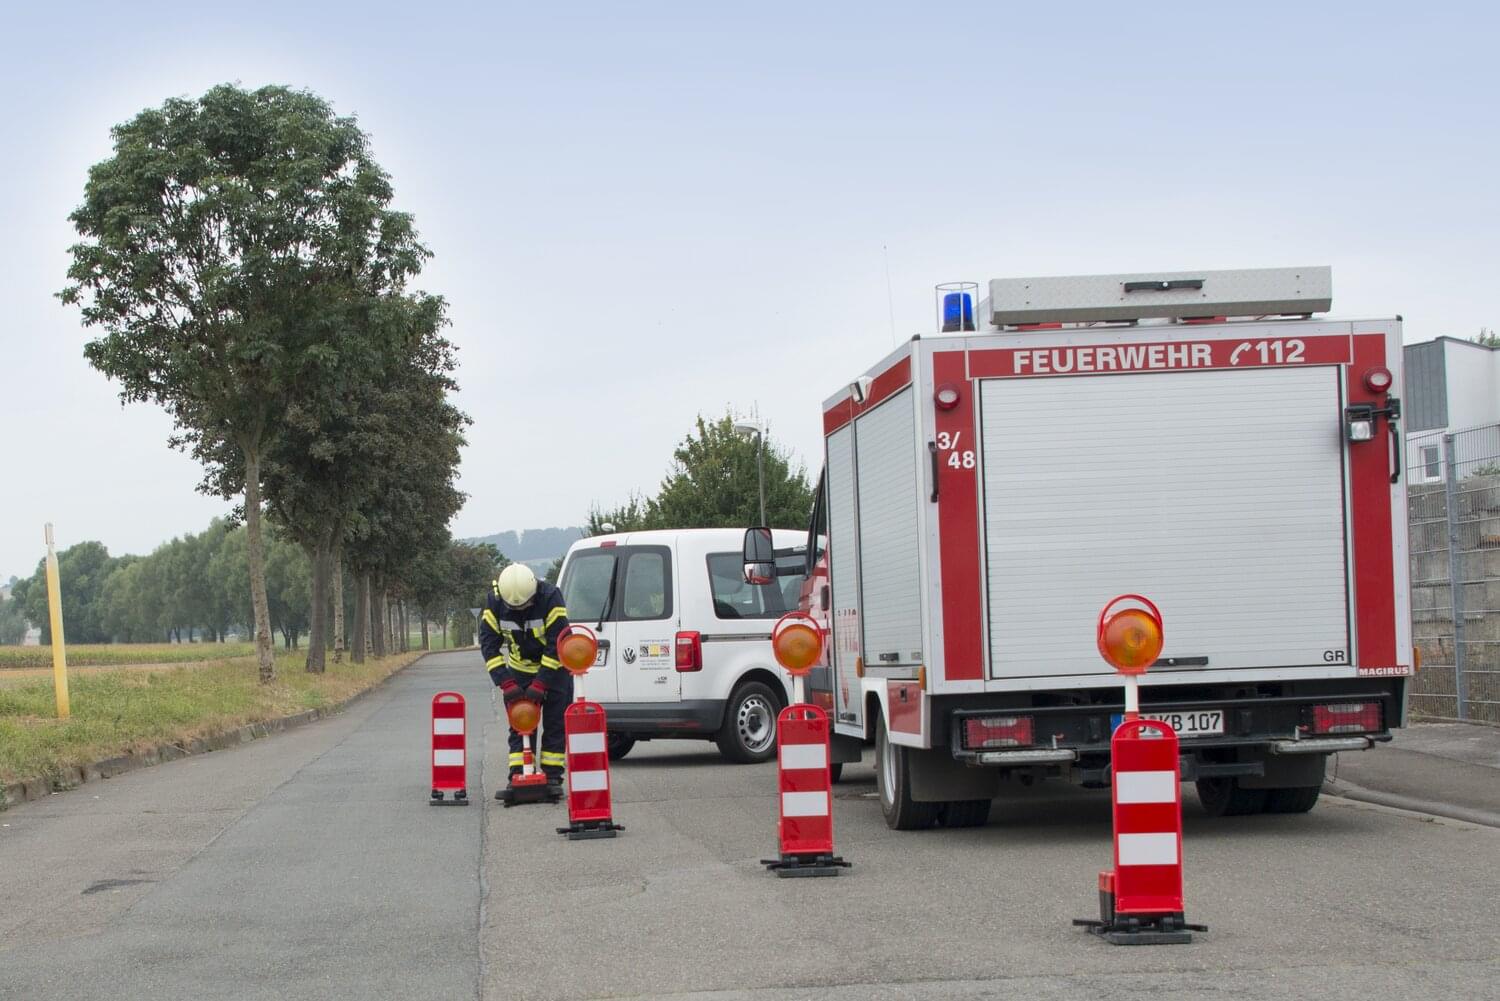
[{"x": 958, "y": 312}]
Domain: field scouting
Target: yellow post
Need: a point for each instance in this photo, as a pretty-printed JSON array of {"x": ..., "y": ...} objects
[{"x": 59, "y": 652}]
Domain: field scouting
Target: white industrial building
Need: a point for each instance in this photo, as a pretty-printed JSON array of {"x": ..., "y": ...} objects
[{"x": 1452, "y": 388}]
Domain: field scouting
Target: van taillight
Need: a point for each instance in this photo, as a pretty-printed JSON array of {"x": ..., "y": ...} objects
[
  {"x": 982, "y": 732},
  {"x": 689, "y": 650},
  {"x": 1346, "y": 717}
]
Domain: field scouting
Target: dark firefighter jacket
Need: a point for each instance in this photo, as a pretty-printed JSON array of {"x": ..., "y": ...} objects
[{"x": 522, "y": 639}]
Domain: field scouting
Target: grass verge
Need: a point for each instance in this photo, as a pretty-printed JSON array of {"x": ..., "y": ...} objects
[
  {"x": 122, "y": 654},
  {"x": 123, "y": 711}
]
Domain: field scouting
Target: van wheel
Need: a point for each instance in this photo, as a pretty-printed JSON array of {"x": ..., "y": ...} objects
[
  {"x": 619, "y": 745},
  {"x": 1224, "y": 797},
  {"x": 749, "y": 732},
  {"x": 966, "y": 813},
  {"x": 1292, "y": 800},
  {"x": 893, "y": 777}
]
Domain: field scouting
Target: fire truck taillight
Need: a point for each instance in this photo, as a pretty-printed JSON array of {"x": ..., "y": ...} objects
[
  {"x": 689, "y": 651},
  {"x": 946, "y": 396},
  {"x": 985, "y": 732},
  {"x": 1346, "y": 717}
]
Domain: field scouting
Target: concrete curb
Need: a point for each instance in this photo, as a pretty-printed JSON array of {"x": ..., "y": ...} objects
[
  {"x": 1348, "y": 790},
  {"x": 29, "y": 790}
]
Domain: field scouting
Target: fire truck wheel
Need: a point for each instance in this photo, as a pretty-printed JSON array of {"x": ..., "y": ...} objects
[
  {"x": 619, "y": 745},
  {"x": 1224, "y": 797},
  {"x": 1292, "y": 800},
  {"x": 966, "y": 813},
  {"x": 835, "y": 771},
  {"x": 749, "y": 732},
  {"x": 893, "y": 777}
]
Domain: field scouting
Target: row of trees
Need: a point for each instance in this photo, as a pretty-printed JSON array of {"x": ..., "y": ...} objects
[
  {"x": 196, "y": 588},
  {"x": 245, "y": 270}
]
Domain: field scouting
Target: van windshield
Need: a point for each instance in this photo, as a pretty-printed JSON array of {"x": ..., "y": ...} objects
[
  {"x": 734, "y": 599},
  {"x": 585, "y": 587}
]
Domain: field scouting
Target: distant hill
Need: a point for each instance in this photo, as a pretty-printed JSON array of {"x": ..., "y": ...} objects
[{"x": 536, "y": 547}]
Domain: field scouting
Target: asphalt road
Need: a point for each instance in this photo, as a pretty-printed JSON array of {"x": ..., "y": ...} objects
[{"x": 309, "y": 865}]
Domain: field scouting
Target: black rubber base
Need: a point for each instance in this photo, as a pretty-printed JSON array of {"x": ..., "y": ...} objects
[
  {"x": 590, "y": 830},
  {"x": 1168, "y": 929},
  {"x": 522, "y": 795},
  {"x": 460, "y": 798},
  {"x": 802, "y": 866}
]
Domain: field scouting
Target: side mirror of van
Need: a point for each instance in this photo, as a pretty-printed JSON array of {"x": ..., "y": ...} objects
[{"x": 760, "y": 557}]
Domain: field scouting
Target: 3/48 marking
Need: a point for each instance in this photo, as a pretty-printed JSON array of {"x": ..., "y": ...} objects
[{"x": 948, "y": 442}]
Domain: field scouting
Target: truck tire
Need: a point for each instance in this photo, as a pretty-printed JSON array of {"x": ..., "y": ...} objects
[
  {"x": 835, "y": 771},
  {"x": 1292, "y": 800},
  {"x": 619, "y": 745},
  {"x": 1224, "y": 797},
  {"x": 748, "y": 735},
  {"x": 893, "y": 778},
  {"x": 966, "y": 813}
]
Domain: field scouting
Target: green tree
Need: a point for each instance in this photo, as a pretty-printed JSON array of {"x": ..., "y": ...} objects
[
  {"x": 713, "y": 483},
  {"x": 628, "y": 517},
  {"x": 1487, "y": 337},
  {"x": 12, "y": 622},
  {"x": 226, "y": 248},
  {"x": 82, "y": 572},
  {"x": 410, "y": 441},
  {"x": 321, "y": 476}
]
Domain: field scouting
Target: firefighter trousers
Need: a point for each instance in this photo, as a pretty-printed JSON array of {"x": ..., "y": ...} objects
[{"x": 550, "y": 754}]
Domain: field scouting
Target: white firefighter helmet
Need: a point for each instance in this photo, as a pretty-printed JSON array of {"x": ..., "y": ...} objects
[{"x": 517, "y": 585}]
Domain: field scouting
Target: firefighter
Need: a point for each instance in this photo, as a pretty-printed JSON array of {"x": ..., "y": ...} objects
[{"x": 518, "y": 632}]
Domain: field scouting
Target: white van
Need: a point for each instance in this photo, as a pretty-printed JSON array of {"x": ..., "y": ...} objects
[{"x": 684, "y": 642}]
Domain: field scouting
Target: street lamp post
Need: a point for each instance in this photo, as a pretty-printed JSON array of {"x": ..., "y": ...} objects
[{"x": 755, "y": 428}]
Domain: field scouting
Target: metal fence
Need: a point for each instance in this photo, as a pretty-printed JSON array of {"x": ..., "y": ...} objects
[{"x": 1454, "y": 511}]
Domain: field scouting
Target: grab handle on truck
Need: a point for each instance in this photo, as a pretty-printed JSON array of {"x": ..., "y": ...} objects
[
  {"x": 932, "y": 450},
  {"x": 1395, "y": 445}
]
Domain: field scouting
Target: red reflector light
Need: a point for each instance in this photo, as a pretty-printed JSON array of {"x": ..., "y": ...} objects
[
  {"x": 689, "y": 650},
  {"x": 1378, "y": 380},
  {"x": 997, "y": 731},
  {"x": 1347, "y": 717}
]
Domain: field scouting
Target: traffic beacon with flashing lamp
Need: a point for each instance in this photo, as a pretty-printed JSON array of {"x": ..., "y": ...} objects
[
  {"x": 587, "y": 745},
  {"x": 531, "y": 785},
  {"x": 1140, "y": 900},
  {"x": 804, "y": 784}
]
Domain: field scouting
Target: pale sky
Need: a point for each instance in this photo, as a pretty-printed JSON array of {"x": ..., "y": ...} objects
[{"x": 646, "y": 211}]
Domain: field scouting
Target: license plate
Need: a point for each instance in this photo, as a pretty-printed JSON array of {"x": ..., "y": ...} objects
[
  {"x": 1189, "y": 723},
  {"x": 601, "y": 656}
]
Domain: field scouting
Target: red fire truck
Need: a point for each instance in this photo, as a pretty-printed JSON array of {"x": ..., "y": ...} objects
[{"x": 1204, "y": 439}]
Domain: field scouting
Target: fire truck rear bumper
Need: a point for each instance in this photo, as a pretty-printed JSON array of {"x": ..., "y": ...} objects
[
  {"x": 1328, "y": 746},
  {"x": 1059, "y": 756}
]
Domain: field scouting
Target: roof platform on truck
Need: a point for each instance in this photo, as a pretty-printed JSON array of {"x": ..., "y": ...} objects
[{"x": 1180, "y": 296}]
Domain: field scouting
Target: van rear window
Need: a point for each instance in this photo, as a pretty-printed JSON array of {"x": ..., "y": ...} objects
[{"x": 734, "y": 599}]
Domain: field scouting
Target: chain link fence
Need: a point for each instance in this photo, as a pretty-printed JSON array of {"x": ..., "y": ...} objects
[{"x": 1454, "y": 512}]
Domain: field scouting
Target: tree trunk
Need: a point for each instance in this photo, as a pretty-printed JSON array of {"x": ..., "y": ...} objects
[
  {"x": 380, "y": 623},
  {"x": 255, "y": 550},
  {"x": 445, "y": 632},
  {"x": 426, "y": 642},
  {"x": 361, "y": 618},
  {"x": 338, "y": 602},
  {"x": 405, "y": 628},
  {"x": 317, "y": 626}
]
